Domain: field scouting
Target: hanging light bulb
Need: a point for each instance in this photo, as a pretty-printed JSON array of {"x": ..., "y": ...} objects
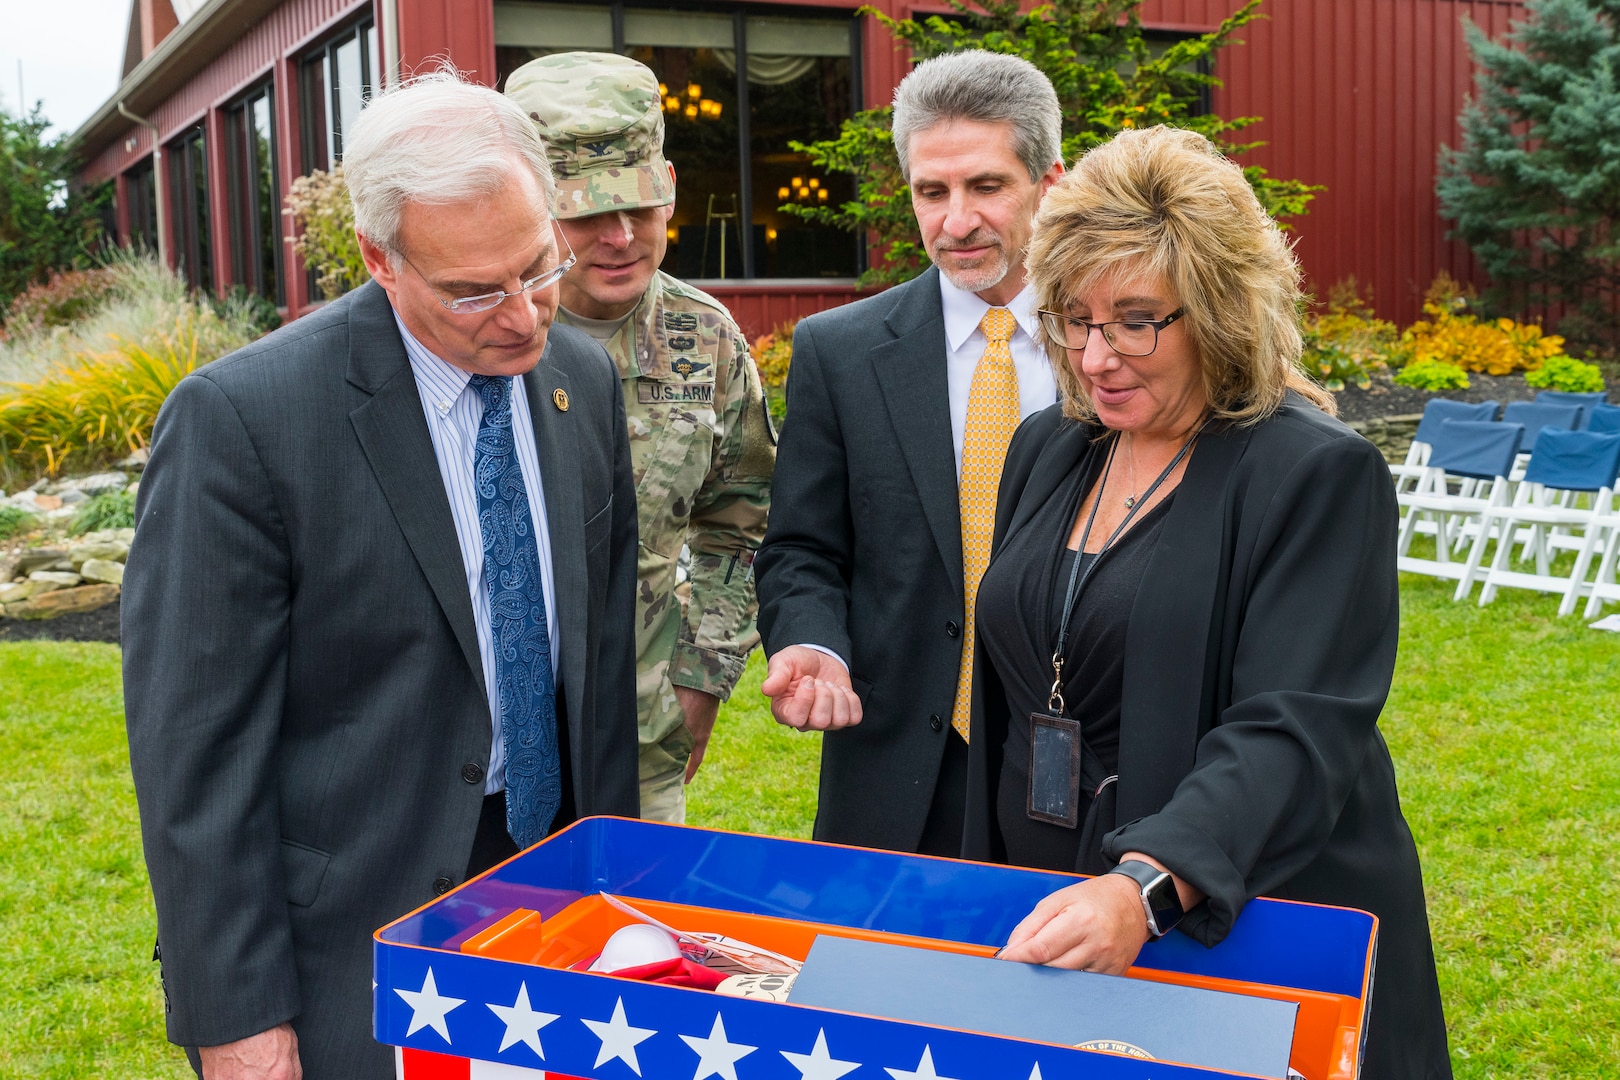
[
  {"x": 693, "y": 90},
  {"x": 784, "y": 193}
]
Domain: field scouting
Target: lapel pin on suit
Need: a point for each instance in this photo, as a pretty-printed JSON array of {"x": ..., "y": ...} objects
[{"x": 559, "y": 398}]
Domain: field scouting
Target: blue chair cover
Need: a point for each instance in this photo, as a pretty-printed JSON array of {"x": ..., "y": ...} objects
[
  {"x": 1585, "y": 399},
  {"x": 1574, "y": 460},
  {"x": 1604, "y": 419},
  {"x": 1535, "y": 415},
  {"x": 1439, "y": 410},
  {"x": 1482, "y": 449}
]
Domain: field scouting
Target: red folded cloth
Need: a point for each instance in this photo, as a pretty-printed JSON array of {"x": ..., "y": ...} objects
[{"x": 676, "y": 971}]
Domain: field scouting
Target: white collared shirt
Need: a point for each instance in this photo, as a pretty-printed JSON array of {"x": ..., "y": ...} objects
[
  {"x": 454, "y": 410},
  {"x": 964, "y": 346}
]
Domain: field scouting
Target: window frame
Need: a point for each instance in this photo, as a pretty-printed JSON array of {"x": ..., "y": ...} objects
[
  {"x": 242, "y": 203},
  {"x": 739, "y": 14}
]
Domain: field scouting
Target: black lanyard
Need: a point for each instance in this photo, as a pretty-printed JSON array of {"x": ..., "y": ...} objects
[{"x": 1078, "y": 580}]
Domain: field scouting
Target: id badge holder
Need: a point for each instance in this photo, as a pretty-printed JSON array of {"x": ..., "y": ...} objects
[{"x": 1054, "y": 769}]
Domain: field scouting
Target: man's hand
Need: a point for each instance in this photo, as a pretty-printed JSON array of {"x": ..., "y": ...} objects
[
  {"x": 810, "y": 690},
  {"x": 269, "y": 1055},
  {"x": 700, "y": 710}
]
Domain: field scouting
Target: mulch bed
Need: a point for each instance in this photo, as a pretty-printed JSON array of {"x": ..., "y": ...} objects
[
  {"x": 98, "y": 625},
  {"x": 1387, "y": 398}
]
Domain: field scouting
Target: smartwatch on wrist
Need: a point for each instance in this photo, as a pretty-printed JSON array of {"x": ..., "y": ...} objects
[{"x": 1160, "y": 901}]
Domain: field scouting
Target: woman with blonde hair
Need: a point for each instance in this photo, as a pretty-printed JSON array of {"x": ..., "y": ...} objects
[{"x": 1188, "y": 627}]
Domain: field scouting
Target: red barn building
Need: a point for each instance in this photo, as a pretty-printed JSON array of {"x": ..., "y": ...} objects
[{"x": 223, "y": 103}]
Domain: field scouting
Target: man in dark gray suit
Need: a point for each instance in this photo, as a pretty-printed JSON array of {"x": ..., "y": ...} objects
[
  {"x": 863, "y": 606},
  {"x": 377, "y": 611}
]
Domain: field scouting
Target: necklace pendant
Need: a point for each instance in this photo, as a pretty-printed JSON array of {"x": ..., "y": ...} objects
[{"x": 1130, "y": 502}]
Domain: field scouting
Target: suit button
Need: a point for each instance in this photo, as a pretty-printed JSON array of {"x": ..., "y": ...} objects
[
  {"x": 951, "y": 629},
  {"x": 472, "y": 772},
  {"x": 935, "y": 722},
  {"x": 441, "y": 885}
]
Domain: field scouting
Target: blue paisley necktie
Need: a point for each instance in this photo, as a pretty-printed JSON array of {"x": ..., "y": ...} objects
[{"x": 517, "y": 621}]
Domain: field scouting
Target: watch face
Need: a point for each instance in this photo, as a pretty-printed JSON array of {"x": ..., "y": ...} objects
[{"x": 1162, "y": 903}]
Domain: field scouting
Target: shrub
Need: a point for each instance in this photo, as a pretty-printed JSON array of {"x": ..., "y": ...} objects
[
  {"x": 1566, "y": 373},
  {"x": 99, "y": 406},
  {"x": 14, "y": 521},
  {"x": 1347, "y": 342},
  {"x": 1431, "y": 374},
  {"x": 319, "y": 206},
  {"x": 67, "y": 297},
  {"x": 109, "y": 510},
  {"x": 45, "y": 223},
  {"x": 1453, "y": 335},
  {"x": 773, "y": 352}
]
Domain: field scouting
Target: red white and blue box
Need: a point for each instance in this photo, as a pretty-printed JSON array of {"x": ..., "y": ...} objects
[{"x": 476, "y": 986}]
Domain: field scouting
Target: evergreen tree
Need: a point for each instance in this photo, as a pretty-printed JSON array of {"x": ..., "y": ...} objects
[
  {"x": 1107, "y": 76},
  {"x": 1535, "y": 188},
  {"x": 45, "y": 224}
]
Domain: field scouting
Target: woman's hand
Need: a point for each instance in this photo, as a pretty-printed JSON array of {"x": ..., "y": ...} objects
[{"x": 1095, "y": 925}]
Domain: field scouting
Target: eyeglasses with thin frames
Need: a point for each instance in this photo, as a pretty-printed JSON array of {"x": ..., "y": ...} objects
[
  {"x": 470, "y": 305},
  {"x": 1128, "y": 337}
]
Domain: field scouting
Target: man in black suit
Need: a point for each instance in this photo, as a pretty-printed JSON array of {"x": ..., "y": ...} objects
[
  {"x": 377, "y": 609},
  {"x": 865, "y": 596}
]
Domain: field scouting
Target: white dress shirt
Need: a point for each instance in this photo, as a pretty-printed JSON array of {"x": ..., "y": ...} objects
[
  {"x": 964, "y": 348},
  {"x": 454, "y": 411}
]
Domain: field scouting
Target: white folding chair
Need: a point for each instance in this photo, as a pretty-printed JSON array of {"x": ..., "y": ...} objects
[
  {"x": 1462, "y": 450},
  {"x": 1435, "y": 412},
  {"x": 1563, "y": 465}
]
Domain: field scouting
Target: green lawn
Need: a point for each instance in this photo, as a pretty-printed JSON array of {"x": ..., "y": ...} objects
[{"x": 1502, "y": 721}]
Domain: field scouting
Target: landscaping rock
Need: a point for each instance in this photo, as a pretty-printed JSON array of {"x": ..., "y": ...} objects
[
  {"x": 13, "y": 591},
  {"x": 137, "y": 460},
  {"x": 56, "y": 579},
  {"x": 48, "y": 502},
  {"x": 104, "y": 571},
  {"x": 112, "y": 550},
  {"x": 73, "y": 497},
  {"x": 38, "y": 559},
  {"x": 95, "y": 484},
  {"x": 63, "y": 602}
]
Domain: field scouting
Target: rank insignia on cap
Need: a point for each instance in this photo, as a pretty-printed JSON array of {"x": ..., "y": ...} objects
[
  {"x": 559, "y": 398},
  {"x": 682, "y": 342},
  {"x": 686, "y": 367},
  {"x": 680, "y": 322}
]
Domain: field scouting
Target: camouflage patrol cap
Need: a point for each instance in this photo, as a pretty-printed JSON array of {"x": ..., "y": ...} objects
[{"x": 603, "y": 122}]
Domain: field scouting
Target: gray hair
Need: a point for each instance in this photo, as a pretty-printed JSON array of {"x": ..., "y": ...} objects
[
  {"x": 991, "y": 88},
  {"x": 436, "y": 139}
]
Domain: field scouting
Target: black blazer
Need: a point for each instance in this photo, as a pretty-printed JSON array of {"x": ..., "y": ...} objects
[
  {"x": 307, "y": 720},
  {"x": 1260, "y": 651},
  {"x": 863, "y": 553}
]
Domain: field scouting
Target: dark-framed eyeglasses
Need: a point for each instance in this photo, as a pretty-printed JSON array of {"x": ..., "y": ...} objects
[
  {"x": 470, "y": 305},
  {"x": 1128, "y": 337}
]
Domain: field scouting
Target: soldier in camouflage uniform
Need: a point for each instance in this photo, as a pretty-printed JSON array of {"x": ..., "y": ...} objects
[{"x": 700, "y": 436}]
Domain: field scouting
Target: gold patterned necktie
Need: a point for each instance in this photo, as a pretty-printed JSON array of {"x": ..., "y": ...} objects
[{"x": 992, "y": 416}]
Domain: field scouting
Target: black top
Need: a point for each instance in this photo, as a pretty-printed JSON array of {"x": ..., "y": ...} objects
[
  {"x": 1260, "y": 650},
  {"x": 1019, "y": 611}
]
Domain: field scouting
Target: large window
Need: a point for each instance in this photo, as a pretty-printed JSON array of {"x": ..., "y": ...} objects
[
  {"x": 141, "y": 194},
  {"x": 250, "y": 156},
  {"x": 737, "y": 88},
  {"x": 335, "y": 81},
  {"x": 186, "y": 165}
]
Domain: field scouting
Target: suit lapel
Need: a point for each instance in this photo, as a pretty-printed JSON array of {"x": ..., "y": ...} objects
[
  {"x": 911, "y": 371},
  {"x": 394, "y": 435},
  {"x": 565, "y": 521},
  {"x": 1168, "y": 647}
]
